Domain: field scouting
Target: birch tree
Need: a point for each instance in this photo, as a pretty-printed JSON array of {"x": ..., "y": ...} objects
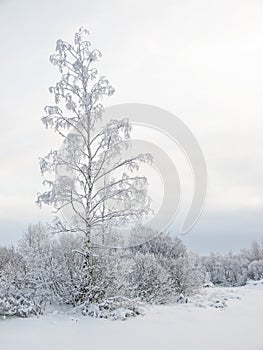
[{"x": 91, "y": 177}]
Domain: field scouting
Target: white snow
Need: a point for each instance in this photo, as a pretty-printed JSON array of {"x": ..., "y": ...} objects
[{"x": 196, "y": 325}]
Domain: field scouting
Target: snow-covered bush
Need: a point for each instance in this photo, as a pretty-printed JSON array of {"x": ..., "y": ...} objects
[
  {"x": 184, "y": 277},
  {"x": 164, "y": 270},
  {"x": 149, "y": 280},
  {"x": 115, "y": 308},
  {"x": 68, "y": 260},
  {"x": 18, "y": 305},
  {"x": 162, "y": 245},
  {"x": 255, "y": 270},
  {"x": 40, "y": 271},
  {"x": 109, "y": 277},
  {"x": 17, "y": 298}
]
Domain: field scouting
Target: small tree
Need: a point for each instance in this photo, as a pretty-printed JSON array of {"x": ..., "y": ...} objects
[{"x": 92, "y": 179}]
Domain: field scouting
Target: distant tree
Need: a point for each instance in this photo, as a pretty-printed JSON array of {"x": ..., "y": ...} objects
[
  {"x": 255, "y": 270},
  {"x": 255, "y": 252},
  {"x": 8, "y": 256},
  {"x": 225, "y": 270}
]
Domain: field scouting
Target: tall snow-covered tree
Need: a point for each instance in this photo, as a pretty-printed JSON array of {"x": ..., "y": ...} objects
[{"x": 92, "y": 178}]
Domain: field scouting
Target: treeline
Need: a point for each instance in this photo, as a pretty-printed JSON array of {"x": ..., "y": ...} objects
[
  {"x": 234, "y": 269},
  {"x": 44, "y": 270}
]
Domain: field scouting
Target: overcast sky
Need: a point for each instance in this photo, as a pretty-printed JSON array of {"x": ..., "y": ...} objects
[{"x": 201, "y": 60}]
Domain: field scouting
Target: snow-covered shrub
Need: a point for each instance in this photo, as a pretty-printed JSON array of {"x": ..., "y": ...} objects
[
  {"x": 184, "y": 277},
  {"x": 162, "y": 245},
  {"x": 253, "y": 258},
  {"x": 17, "y": 304},
  {"x": 108, "y": 278},
  {"x": 115, "y": 308},
  {"x": 212, "y": 266},
  {"x": 255, "y": 270},
  {"x": 234, "y": 271},
  {"x": 35, "y": 274},
  {"x": 16, "y": 296},
  {"x": 164, "y": 270},
  {"x": 7, "y": 255},
  {"x": 40, "y": 265},
  {"x": 66, "y": 274},
  {"x": 149, "y": 280}
]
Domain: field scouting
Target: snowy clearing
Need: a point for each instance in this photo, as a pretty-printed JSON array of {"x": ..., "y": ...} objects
[{"x": 201, "y": 324}]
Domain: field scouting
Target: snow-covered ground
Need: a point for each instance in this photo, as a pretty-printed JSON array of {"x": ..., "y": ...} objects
[{"x": 217, "y": 318}]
